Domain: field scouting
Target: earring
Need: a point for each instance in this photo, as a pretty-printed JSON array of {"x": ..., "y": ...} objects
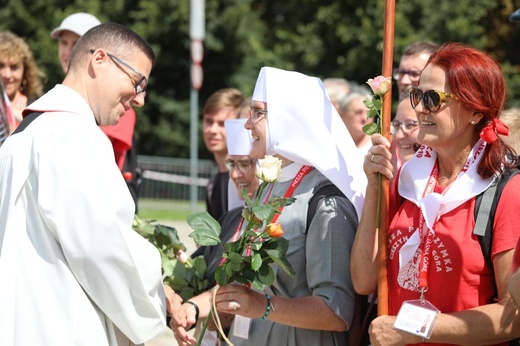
[{"x": 472, "y": 122}]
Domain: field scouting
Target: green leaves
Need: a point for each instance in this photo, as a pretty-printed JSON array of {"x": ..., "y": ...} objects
[
  {"x": 187, "y": 279},
  {"x": 247, "y": 260},
  {"x": 166, "y": 236},
  {"x": 277, "y": 254},
  {"x": 206, "y": 229},
  {"x": 255, "y": 267},
  {"x": 371, "y": 128},
  {"x": 256, "y": 263}
]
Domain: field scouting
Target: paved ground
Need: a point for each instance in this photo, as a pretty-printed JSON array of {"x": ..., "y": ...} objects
[{"x": 183, "y": 229}]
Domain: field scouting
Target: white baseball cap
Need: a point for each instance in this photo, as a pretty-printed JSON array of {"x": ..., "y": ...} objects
[{"x": 78, "y": 23}]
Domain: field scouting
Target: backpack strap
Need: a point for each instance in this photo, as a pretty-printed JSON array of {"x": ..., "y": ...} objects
[
  {"x": 485, "y": 209},
  {"x": 29, "y": 118},
  {"x": 318, "y": 196}
]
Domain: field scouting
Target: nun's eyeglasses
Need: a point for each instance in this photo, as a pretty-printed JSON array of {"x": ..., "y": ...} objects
[
  {"x": 256, "y": 113},
  {"x": 243, "y": 165}
]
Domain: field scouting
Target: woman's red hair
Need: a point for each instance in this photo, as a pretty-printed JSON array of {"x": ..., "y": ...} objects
[{"x": 477, "y": 80}]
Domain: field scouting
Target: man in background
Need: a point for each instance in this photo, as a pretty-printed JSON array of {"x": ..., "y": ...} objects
[
  {"x": 122, "y": 134},
  {"x": 413, "y": 60},
  {"x": 222, "y": 105}
]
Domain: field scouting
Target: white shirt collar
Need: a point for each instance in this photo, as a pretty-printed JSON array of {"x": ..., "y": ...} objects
[{"x": 290, "y": 171}]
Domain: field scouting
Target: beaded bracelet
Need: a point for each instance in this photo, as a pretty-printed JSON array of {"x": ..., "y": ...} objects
[{"x": 268, "y": 308}]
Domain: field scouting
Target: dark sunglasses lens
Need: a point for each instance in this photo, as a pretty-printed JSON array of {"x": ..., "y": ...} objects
[
  {"x": 432, "y": 100},
  {"x": 415, "y": 97}
]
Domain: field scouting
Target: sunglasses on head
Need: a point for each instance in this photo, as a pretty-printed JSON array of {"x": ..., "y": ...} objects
[{"x": 432, "y": 99}]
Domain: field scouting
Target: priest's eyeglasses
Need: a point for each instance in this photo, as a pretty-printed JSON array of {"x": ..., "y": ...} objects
[{"x": 139, "y": 86}]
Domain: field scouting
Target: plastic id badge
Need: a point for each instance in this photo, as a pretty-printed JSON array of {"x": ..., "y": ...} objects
[
  {"x": 242, "y": 326},
  {"x": 417, "y": 318}
]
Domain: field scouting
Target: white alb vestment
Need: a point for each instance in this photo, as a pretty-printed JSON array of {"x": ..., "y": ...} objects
[{"x": 73, "y": 272}]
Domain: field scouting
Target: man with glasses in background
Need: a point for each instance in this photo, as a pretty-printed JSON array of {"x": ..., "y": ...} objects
[
  {"x": 412, "y": 63},
  {"x": 75, "y": 270},
  {"x": 122, "y": 134}
]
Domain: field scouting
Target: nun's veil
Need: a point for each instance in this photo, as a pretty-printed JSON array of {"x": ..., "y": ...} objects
[
  {"x": 238, "y": 142},
  {"x": 304, "y": 127}
]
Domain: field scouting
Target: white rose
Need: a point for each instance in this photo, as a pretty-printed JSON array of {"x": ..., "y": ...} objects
[
  {"x": 182, "y": 256},
  {"x": 270, "y": 169}
]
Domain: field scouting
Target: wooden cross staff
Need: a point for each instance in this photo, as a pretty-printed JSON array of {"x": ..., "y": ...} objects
[{"x": 388, "y": 52}]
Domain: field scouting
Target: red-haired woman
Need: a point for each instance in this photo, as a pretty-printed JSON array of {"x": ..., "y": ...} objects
[{"x": 440, "y": 285}]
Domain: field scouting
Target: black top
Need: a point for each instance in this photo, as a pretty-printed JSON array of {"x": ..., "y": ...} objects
[{"x": 217, "y": 195}]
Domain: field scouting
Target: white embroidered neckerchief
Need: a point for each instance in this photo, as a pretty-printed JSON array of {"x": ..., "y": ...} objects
[{"x": 413, "y": 179}]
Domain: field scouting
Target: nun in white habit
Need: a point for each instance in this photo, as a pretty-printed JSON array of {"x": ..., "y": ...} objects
[
  {"x": 239, "y": 146},
  {"x": 292, "y": 118},
  {"x": 241, "y": 169}
]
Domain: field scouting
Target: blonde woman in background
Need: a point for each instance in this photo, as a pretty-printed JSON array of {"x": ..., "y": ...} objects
[{"x": 21, "y": 78}]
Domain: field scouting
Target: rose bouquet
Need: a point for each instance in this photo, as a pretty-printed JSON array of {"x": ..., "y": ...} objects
[
  {"x": 185, "y": 275},
  {"x": 247, "y": 260}
]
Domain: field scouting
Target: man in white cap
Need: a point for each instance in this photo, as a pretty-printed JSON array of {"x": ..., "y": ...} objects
[
  {"x": 122, "y": 134},
  {"x": 68, "y": 33}
]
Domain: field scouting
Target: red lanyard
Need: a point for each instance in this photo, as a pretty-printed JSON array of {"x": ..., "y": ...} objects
[
  {"x": 290, "y": 190},
  {"x": 426, "y": 240}
]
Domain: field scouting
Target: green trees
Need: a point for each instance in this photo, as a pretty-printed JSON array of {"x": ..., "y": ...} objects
[{"x": 329, "y": 38}]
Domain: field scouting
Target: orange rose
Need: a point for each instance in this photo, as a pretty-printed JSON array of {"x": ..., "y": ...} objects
[{"x": 275, "y": 230}]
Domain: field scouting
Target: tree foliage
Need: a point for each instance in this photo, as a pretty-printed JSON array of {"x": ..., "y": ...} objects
[{"x": 327, "y": 38}]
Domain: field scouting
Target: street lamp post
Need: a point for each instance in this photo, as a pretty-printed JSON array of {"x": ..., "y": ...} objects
[{"x": 197, "y": 32}]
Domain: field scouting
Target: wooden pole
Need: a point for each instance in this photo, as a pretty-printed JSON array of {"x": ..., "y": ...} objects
[{"x": 388, "y": 52}]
